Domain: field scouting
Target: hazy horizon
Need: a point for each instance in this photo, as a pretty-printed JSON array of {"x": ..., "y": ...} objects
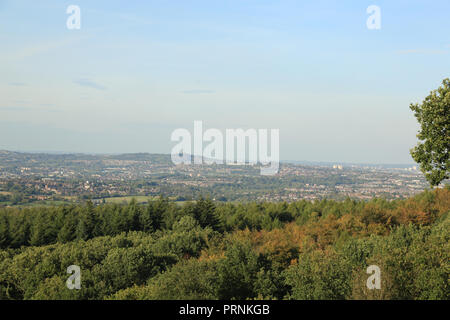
[{"x": 294, "y": 161}]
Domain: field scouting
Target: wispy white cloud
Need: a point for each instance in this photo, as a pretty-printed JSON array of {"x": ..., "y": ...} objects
[
  {"x": 198, "y": 91},
  {"x": 29, "y": 51},
  {"x": 17, "y": 108},
  {"x": 40, "y": 108},
  {"x": 422, "y": 51},
  {"x": 84, "y": 82},
  {"x": 127, "y": 17}
]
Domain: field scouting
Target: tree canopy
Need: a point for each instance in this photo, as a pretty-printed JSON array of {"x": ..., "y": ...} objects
[
  {"x": 432, "y": 151},
  {"x": 208, "y": 250}
]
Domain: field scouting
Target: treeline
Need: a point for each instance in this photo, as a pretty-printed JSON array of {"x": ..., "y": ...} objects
[{"x": 208, "y": 250}]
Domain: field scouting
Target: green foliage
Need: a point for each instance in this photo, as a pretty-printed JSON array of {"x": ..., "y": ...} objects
[
  {"x": 237, "y": 273},
  {"x": 124, "y": 267},
  {"x": 191, "y": 279},
  {"x": 204, "y": 212},
  {"x": 186, "y": 239},
  {"x": 206, "y": 250},
  {"x": 432, "y": 152},
  {"x": 4, "y": 231},
  {"x": 319, "y": 276}
]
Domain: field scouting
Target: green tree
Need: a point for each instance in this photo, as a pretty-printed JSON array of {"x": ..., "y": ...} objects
[
  {"x": 432, "y": 152},
  {"x": 4, "y": 233},
  {"x": 151, "y": 218},
  {"x": 68, "y": 231},
  {"x": 43, "y": 230},
  {"x": 189, "y": 279},
  {"x": 187, "y": 239},
  {"x": 88, "y": 225},
  {"x": 125, "y": 267},
  {"x": 133, "y": 213},
  {"x": 319, "y": 275},
  {"x": 204, "y": 212},
  {"x": 19, "y": 230},
  {"x": 237, "y": 273}
]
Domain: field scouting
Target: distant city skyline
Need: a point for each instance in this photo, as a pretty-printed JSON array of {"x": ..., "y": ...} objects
[
  {"x": 291, "y": 161},
  {"x": 135, "y": 71}
]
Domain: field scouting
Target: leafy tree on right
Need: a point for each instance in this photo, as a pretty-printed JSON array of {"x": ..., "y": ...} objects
[{"x": 432, "y": 151}]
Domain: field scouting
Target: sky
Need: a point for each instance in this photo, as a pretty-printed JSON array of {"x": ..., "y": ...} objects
[{"x": 135, "y": 71}]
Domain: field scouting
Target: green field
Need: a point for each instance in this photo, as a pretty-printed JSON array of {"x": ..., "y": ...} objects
[
  {"x": 126, "y": 199},
  {"x": 72, "y": 200},
  {"x": 139, "y": 199}
]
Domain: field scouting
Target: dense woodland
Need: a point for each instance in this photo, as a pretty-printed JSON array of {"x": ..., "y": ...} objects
[{"x": 212, "y": 250}]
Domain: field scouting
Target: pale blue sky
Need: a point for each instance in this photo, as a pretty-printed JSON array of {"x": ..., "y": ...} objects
[{"x": 137, "y": 70}]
